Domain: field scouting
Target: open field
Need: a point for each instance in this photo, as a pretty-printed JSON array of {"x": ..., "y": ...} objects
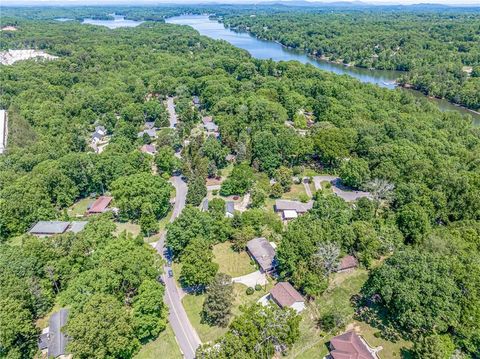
[
  {"x": 130, "y": 227},
  {"x": 232, "y": 263},
  {"x": 164, "y": 347}
]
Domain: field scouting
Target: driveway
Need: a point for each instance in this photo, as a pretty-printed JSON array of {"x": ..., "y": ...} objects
[
  {"x": 252, "y": 279},
  {"x": 339, "y": 189}
]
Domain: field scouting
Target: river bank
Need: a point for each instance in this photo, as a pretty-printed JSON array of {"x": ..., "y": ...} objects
[{"x": 265, "y": 49}]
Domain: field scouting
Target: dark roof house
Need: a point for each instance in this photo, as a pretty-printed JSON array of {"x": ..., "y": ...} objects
[
  {"x": 350, "y": 345},
  {"x": 263, "y": 253},
  {"x": 53, "y": 339},
  {"x": 286, "y": 296},
  {"x": 100, "y": 205}
]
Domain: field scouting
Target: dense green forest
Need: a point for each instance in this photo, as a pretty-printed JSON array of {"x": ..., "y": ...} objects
[
  {"x": 439, "y": 51},
  {"x": 421, "y": 165}
]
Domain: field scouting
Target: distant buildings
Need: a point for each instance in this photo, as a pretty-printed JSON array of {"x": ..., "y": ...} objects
[
  {"x": 350, "y": 345},
  {"x": 100, "y": 205},
  {"x": 263, "y": 253},
  {"x": 51, "y": 228},
  {"x": 9, "y": 28},
  {"x": 53, "y": 341},
  {"x": 286, "y": 296},
  {"x": 292, "y": 209}
]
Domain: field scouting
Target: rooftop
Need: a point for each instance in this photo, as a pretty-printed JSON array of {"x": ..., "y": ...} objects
[
  {"x": 348, "y": 262},
  {"x": 150, "y": 149},
  {"x": 49, "y": 227},
  {"x": 57, "y": 341},
  {"x": 263, "y": 252},
  {"x": 299, "y": 207},
  {"x": 210, "y": 126},
  {"x": 78, "y": 226},
  {"x": 100, "y": 204},
  {"x": 285, "y": 295},
  {"x": 349, "y": 345}
]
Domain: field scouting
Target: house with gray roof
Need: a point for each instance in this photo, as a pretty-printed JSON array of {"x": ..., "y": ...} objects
[
  {"x": 51, "y": 228},
  {"x": 52, "y": 340},
  {"x": 150, "y": 132},
  {"x": 291, "y": 209},
  {"x": 263, "y": 253}
]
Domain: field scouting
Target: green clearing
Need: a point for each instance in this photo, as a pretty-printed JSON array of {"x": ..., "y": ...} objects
[
  {"x": 130, "y": 227},
  {"x": 80, "y": 207},
  {"x": 295, "y": 191},
  {"x": 232, "y": 263},
  {"x": 164, "y": 347}
]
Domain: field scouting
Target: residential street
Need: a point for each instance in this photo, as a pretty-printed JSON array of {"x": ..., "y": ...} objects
[
  {"x": 172, "y": 115},
  {"x": 187, "y": 338}
]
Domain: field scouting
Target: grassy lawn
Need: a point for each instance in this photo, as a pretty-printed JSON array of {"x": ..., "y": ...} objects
[
  {"x": 165, "y": 347},
  {"x": 232, "y": 263},
  {"x": 132, "y": 228},
  {"x": 193, "y": 306},
  {"x": 295, "y": 191},
  {"x": 80, "y": 207}
]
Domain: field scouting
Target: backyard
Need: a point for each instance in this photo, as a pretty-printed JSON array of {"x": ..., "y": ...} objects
[{"x": 233, "y": 263}]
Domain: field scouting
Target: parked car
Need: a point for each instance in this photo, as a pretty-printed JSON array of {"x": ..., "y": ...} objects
[{"x": 170, "y": 273}]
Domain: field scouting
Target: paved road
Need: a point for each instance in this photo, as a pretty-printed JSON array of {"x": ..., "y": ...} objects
[
  {"x": 340, "y": 190},
  {"x": 187, "y": 338},
  {"x": 172, "y": 115}
]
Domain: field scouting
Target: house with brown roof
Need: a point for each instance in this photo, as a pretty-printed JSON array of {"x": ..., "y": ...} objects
[
  {"x": 263, "y": 253},
  {"x": 100, "y": 205},
  {"x": 286, "y": 296},
  {"x": 350, "y": 345},
  {"x": 347, "y": 263}
]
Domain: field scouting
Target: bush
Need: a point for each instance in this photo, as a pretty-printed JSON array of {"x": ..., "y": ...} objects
[
  {"x": 258, "y": 287},
  {"x": 276, "y": 191},
  {"x": 328, "y": 185},
  {"x": 215, "y": 192},
  {"x": 297, "y": 170},
  {"x": 250, "y": 291},
  {"x": 303, "y": 198}
]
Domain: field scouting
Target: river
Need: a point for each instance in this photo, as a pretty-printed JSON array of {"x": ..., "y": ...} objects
[{"x": 263, "y": 49}]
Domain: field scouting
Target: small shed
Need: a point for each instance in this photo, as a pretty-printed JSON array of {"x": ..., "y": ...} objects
[
  {"x": 229, "y": 209},
  {"x": 347, "y": 263}
]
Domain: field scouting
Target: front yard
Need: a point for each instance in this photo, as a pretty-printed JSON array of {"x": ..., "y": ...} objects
[
  {"x": 165, "y": 347},
  {"x": 232, "y": 263}
]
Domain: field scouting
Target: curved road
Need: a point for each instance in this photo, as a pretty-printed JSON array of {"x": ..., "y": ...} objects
[{"x": 187, "y": 338}]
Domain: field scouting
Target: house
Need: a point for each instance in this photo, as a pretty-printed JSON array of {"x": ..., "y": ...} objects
[
  {"x": 100, "y": 205},
  {"x": 291, "y": 209},
  {"x": 152, "y": 133},
  {"x": 196, "y": 101},
  {"x": 9, "y": 28},
  {"x": 99, "y": 134},
  {"x": 347, "y": 263},
  {"x": 350, "y": 345},
  {"x": 149, "y": 125},
  {"x": 53, "y": 341},
  {"x": 286, "y": 296},
  {"x": 211, "y": 127},
  {"x": 148, "y": 149},
  {"x": 229, "y": 209},
  {"x": 51, "y": 228},
  {"x": 263, "y": 253}
]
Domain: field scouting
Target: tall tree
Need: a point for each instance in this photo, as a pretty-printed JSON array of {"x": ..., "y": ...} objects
[{"x": 218, "y": 302}]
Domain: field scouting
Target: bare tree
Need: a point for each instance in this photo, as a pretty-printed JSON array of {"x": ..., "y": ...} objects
[{"x": 326, "y": 258}]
